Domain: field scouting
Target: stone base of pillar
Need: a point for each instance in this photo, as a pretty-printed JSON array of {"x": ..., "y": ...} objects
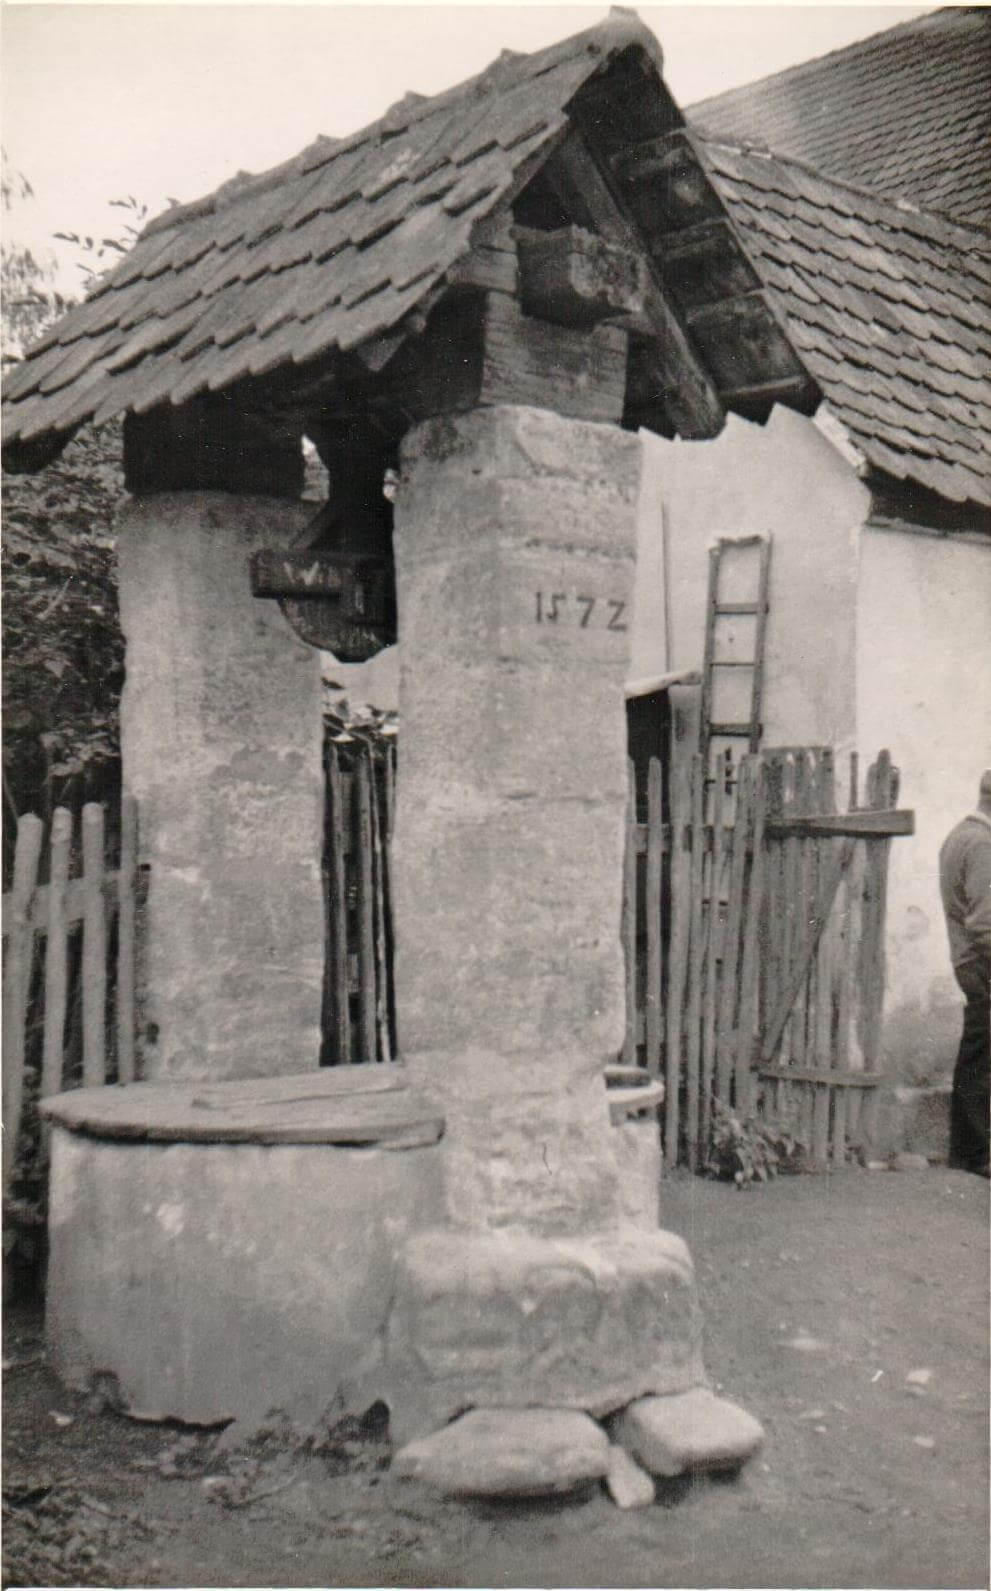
[{"x": 508, "y": 1319}]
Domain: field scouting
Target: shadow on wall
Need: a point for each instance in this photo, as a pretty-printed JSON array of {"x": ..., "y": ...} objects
[{"x": 920, "y": 1042}]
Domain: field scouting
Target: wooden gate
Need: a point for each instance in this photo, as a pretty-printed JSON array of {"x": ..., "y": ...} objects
[
  {"x": 826, "y": 886},
  {"x": 754, "y": 931}
]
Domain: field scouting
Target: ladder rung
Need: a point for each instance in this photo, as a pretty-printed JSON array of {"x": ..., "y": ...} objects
[
  {"x": 737, "y": 607},
  {"x": 734, "y": 662},
  {"x": 730, "y": 729}
]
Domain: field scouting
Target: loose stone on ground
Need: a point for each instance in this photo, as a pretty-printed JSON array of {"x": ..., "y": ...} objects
[
  {"x": 628, "y": 1485},
  {"x": 688, "y": 1431},
  {"x": 508, "y": 1453}
]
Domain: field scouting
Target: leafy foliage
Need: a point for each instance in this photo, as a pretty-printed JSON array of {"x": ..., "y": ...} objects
[
  {"x": 751, "y": 1149},
  {"x": 63, "y": 649},
  {"x": 30, "y": 299},
  {"x": 96, "y": 255}
]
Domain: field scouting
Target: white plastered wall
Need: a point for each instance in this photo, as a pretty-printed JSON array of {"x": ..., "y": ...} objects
[
  {"x": 786, "y": 480},
  {"x": 924, "y": 691}
]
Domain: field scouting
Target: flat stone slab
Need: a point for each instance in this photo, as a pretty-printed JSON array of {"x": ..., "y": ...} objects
[
  {"x": 508, "y": 1453},
  {"x": 508, "y": 1319},
  {"x": 689, "y": 1431},
  {"x": 350, "y": 1105}
]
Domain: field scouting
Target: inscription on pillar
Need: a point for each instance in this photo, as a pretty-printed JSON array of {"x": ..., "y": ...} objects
[{"x": 571, "y": 608}]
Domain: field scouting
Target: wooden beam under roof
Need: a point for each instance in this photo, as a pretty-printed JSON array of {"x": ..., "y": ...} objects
[{"x": 585, "y": 192}]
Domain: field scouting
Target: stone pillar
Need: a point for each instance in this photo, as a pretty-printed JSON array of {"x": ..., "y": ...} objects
[
  {"x": 221, "y": 744},
  {"x": 514, "y": 542}
]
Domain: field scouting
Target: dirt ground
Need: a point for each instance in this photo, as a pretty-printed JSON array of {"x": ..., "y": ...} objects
[{"x": 821, "y": 1296}]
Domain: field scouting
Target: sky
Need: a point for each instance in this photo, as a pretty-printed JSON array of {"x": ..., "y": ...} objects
[{"x": 168, "y": 101}]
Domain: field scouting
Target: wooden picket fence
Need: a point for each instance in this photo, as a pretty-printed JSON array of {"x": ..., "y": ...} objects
[
  {"x": 359, "y": 1019},
  {"x": 753, "y": 922},
  {"x": 754, "y": 929},
  {"x": 69, "y": 961}
]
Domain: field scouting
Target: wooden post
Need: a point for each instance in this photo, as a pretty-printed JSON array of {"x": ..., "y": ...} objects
[
  {"x": 655, "y": 935},
  {"x": 841, "y": 1054},
  {"x": 630, "y": 917},
  {"x": 714, "y": 941},
  {"x": 366, "y": 907},
  {"x": 390, "y": 790},
  {"x": 696, "y": 954},
  {"x": 804, "y": 912},
  {"x": 16, "y": 982},
  {"x": 774, "y": 922},
  {"x": 883, "y": 792},
  {"x": 751, "y": 953},
  {"x": 94, "y": 948},
  {"x": 337, "y": 972},
  {"x": 384, "y": 1045},
  {"x": 788, "y": 905},
  {"x": 126, "y": 883},
  {"x": 678, "y": 955},
  {"x": 56, "y": 954},
  {"x": 739, "y": 838}
]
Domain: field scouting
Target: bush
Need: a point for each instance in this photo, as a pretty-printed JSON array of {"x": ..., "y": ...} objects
[{"x": 751, "y": 1149}]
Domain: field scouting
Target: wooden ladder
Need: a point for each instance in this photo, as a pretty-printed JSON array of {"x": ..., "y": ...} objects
[{"x": 717, "y": 609}]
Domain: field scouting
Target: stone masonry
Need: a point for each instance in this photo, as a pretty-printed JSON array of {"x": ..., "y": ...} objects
[
  {"x": 514, "y": 539},
  {"x": 221, "y": 743}
]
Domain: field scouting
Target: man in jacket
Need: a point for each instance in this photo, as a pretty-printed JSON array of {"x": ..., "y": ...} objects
[{"x": 965, "y": 885}]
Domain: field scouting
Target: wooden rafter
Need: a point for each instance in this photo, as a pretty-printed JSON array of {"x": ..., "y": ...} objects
[{"x": 585, "y": 191}]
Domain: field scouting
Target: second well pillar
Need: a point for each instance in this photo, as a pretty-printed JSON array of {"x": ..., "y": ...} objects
[{"x": 515, "y": 536}]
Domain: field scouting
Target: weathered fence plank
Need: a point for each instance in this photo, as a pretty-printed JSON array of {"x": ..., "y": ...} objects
[
  {"x": 56, "y": 954},
  {"x": 680, "y": 920},
  {"x": 381, "y": 906},
  {"x": 750, "y": 954},
  {"x": 94, "y": 948},
  {"x": 629, "y": 925},
  {"x": 729, "y": 993},
  {"x": 655, "y": 917},
  {"x": 884, "y": 794},
  {"x": 339, "y": 1015},
  {"x": 126, "y": 940},
  {"x": 714, "y": 935},
  {"x": 695, "y": 971},
  {"x": 16, "y": 981},
  {"x": 768, "y": 959},
  {"x": 366, "y": 908}
]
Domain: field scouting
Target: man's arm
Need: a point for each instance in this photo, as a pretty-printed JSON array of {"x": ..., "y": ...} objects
[{"x": 977, "y": 890}]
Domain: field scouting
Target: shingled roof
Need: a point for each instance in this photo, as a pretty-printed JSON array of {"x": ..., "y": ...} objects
[
  {"x": 906, "y": 112},
  {"x": 781, "y": 284},
  {"x": 888, "y": 309},
  {"x": 329, "y": 251}
]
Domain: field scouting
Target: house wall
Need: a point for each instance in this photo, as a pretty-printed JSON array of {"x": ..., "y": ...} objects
[
  {"x": 783, "y": 479},
  {"x": 924, "y": 691}
]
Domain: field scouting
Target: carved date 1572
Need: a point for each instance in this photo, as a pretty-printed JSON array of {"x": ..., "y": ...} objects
[{"x": 558, "y": 607}]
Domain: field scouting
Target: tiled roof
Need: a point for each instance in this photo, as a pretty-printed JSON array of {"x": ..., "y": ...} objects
[
  {"x": 906, "y": 112},
  {"x": 329, "y": 251},
  {"x": 889, "y": 310}
]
